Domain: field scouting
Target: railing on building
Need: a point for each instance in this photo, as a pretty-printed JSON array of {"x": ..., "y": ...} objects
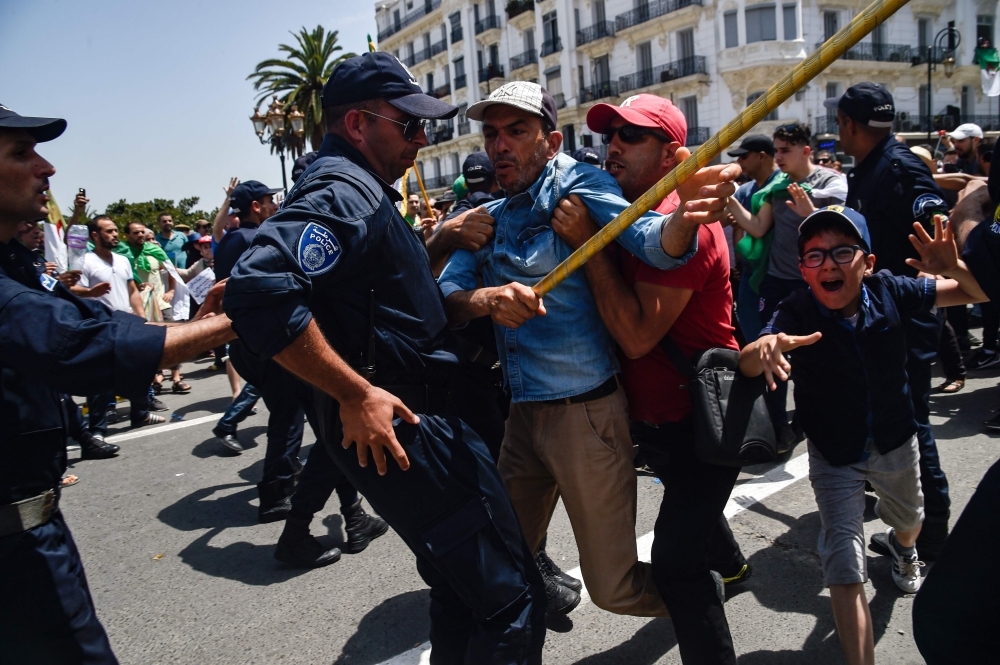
[
  {"x": 599, "y": 91},
  {"x": 653, "y": 10},
  {"x": 594, "y": 32},
  {"x": 663, "y": 73},
  {"x": 488, "y": 23},
  {"x": 439, "y": 47},
  {"x": 418, "y": 56},
  {"x": 441, "y": 91},
  {"x": 411, "y": 18},
  {"x": 880, "y": 52},
  {"x": 456, "y": 35},
  {"x": 524, "y": 59},
  {"x": 826, "y": 125},
  {"x": 463, "y": 128},
  {"x": 515, "y": 7},
  {"x": 920, "y": 123},
  {"x": 460, "y": 82},
  {"x": 439, "y": 181},
  {"x": 490, "y": 72},
  {"x": 697, "y": 135},
  {"x": 550, "y": 46},
  {"x": 560, "y": 100},
  {"x": 441, "y": 134}
]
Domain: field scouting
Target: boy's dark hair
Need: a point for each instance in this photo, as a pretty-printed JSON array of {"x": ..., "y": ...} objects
[
  {"x": 832, "y": 224},
  {"x": 795, "y": 133}
]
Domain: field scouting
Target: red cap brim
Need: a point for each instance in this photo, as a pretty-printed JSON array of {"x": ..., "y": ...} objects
[{"x": 600, "y": 117}]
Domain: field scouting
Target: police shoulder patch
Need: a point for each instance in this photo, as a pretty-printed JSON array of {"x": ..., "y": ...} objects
[
  {"x": 48, "y": 281},
  {"x": 319, "y": 250},
  {"x": 927, "y": 202}
]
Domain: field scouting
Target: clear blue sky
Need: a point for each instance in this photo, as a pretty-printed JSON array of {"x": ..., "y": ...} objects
[{"x": 155, "y": 92}]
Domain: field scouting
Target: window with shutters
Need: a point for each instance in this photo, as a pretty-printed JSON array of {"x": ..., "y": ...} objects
[{"x": 761, "y": 26}]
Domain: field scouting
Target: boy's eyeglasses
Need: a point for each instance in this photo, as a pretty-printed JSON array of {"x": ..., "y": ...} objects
[
  {"x": 411, "y": 127},
  {"x": 842, "y": 254},
  {"x": 632, "y": 134}
]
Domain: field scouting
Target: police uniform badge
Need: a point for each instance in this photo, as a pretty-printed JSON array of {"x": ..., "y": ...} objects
[
  {"x": 318, "y": 250},
  {"x": 48, "y": 281},
  {"x": 925, "y": 203}
]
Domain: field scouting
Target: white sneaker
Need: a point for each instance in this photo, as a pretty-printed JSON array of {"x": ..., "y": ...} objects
[{"x": 905, "y": 572}]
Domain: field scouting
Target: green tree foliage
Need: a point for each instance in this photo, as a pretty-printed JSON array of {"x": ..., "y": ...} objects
[
  {"x": 183, "y": 212},
  {"x": 298, "y": 78}
]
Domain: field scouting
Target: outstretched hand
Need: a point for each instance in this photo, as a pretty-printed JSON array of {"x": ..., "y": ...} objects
[
  {"x": 938, "y": 255},
  {"x": 772, "y": 352},
  {"x": 800, "y": 203},
  {"x": 705, "y": 194}
]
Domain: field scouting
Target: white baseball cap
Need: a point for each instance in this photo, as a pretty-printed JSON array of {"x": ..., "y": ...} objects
[
  {"x": 966, "y": 131},
  {"x": 524, "y": 95}
]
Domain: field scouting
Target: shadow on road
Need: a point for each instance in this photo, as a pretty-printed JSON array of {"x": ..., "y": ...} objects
[
  {"x": 212, "y": 448},
  {"x": 396, "y": 625},
  {"x": 647, "y": 646}
]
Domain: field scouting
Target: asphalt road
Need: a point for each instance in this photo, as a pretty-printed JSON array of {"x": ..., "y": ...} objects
[{"x": 181, "y": 572}]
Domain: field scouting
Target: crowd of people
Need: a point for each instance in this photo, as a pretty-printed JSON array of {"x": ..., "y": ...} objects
[{"x": 407, "y": 332}]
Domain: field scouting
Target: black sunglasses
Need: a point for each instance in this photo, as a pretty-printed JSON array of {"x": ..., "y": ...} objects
[
  {"x": 823, "y": 160},
  {"x": 632, "y": 134},
  {"x": 411, "y": 127},
  {"x": 842, "y": 254}
]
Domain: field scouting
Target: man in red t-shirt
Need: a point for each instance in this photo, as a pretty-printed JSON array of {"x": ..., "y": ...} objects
[{"x": 693, "y": 305}]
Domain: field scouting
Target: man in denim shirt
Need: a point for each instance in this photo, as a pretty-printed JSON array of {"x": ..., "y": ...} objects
[{"x": 568, "y": 431}]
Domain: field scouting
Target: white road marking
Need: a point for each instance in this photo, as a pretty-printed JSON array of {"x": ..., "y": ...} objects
[
  {"x": 744, "y": 495},
  {"x": 149, "y": 431}
]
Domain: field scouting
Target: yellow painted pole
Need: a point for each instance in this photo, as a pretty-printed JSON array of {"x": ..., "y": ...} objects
[{"x": 804, "y": 72}]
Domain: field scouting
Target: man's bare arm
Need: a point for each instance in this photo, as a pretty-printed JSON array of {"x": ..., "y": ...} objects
[
  {"x": 185, "y": 341},
  {"x": 509, "y": 305}
]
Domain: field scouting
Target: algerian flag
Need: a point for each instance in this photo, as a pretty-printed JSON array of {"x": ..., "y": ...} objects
[{"x": 989, "y": 66}]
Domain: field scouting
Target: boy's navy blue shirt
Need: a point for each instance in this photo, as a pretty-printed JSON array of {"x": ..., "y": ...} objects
[{"x": 851, "y": 385}]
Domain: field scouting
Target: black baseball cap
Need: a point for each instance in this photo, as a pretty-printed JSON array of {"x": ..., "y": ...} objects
[
  {"x": 753, "y": 143},
  {"x": 248, "y": 192},
  {"x": 41, "y": 129},
  {"x": 587, "y": 155},
  {"x": 478, "y": 168},
  {"x": 381, "y": 75},
  {"x": 302, "y": 163},
  {"x": 867, "y": 103},
  {"x": 447, "y": 197}
]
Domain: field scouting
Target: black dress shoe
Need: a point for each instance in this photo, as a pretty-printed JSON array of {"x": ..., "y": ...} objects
[
  {"x": 230, "y": 441},
  {"x": 275, "y": 500},
  {"x": 304, "y": 552},
  {"x": 549, "y": 569},
  {"x": 93, "y": 447},
  {"x": 361, "y": 527},
  {"x": 559, "y": 599}
]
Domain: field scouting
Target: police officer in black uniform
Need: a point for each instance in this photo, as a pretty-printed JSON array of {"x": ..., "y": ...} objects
[
  {"x": 337, "y": 288},
  {"x": 52, "y": 342},
  {"x": 892, "y": 188}
]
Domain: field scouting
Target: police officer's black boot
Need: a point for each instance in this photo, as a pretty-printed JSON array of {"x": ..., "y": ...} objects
[
  {"x": 297, "y": 547},
  {"x": 361, "y": 527},
  {"x": 933, "y": 533},
  {"x": 548, "y": 568},
  {"x": 275, "y": 500},
  {"x": 94, "y": 447}
]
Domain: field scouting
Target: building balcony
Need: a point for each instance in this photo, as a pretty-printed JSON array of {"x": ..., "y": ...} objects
[
  {"x": 524, "y": 59},
  {"x": 594, "y": 32},
  {"x": 560, "y": 100},
  {"x": 697, "y": 136},
  {"x": 456, "y": 35},
  {"x": 488, "y": 23},
  {"x": 460, "y": 82},
  {"x": 440, "y": 181},
  {"x": 881, "y": 53},
  {"x": 440, "y": 134},
  {"x": 417, "y": 57},
  {"x": 439, "y": 47},
  {"x": 550, "y": 46},
  {"x": 919, "y": 123},
  {"x": 599, "y": 91},
  {"x": 517, "y": 7},
  {"x": 653, "y": 10},
  {"x": 411, "y": 18},
  {"x": 440, "y": 91},
  {"x": 663, "y": 73},
  {"x": 490, "y": 72},
  {"x": 826, "y": 125},
  {"x": 463, "y": 128}
]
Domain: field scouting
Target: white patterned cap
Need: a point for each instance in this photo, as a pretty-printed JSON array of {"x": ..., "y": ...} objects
[{"x": 524, "y": 95}]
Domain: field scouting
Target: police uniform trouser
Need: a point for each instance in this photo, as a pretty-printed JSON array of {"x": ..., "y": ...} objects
[
  {"x": 47, "y": 616},
  {"x": 452, "y": 510}
]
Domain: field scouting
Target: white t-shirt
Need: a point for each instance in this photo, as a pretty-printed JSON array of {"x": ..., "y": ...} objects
[{"x": 118, "y": 273}]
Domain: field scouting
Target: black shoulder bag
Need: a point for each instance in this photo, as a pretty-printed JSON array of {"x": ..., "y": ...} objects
[{"x": 731, "y": 421}]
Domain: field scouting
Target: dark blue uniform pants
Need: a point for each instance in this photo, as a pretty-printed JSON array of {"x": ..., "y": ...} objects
[
  {"x": 98, "y": 405},
  {"x": 452, "y": 510},
  {"x": 772, "y": 291},
  {"x": 47, "y": 616}
]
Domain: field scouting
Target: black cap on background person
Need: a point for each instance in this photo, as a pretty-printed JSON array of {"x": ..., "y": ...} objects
[
  {"x": 380, "y": 75},
  {"x": 248, "y": 192},
  {"x": 41, "y": 129},
  {"x": 753, "y": 143},
  {"x": 587, "y": 155},
  {"x": 302, "y": 163},
  {"x": 477, "y": 169},
  {"x": 866, "y": 103}
]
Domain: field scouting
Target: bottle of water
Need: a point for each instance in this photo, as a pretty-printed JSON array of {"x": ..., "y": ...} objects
[{"x": 76, "y": 246}]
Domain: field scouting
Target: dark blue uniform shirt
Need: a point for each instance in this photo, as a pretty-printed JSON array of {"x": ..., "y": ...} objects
[
  {"x": 851, "y": 385},
  {"x": 231, "y": 248},
  {"x": 337, "y": 237},
  {"x": 52, "y": 342}
]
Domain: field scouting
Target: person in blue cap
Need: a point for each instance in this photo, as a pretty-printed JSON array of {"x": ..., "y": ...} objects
[
  {"x": 337, "y": 289},
  {"x": 53, "y": 343},
  {"x": 846, "y": 335}
]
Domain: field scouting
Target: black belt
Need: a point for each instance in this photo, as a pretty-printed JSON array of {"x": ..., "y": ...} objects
[
  {"x": 603, "y": 390},
  {"x": 429, "y": 400}
]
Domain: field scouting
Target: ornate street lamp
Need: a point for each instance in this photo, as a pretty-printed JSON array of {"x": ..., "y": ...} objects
[
  {"x": 274, "y": 121},
  {"x": 947, "y": 51}
]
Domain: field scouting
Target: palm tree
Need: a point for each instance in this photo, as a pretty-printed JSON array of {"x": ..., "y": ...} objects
[{"x": 298, "y": 79}]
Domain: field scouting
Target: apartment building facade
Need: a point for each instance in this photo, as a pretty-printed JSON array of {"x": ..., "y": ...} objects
[{"x": 710, "y": 57}]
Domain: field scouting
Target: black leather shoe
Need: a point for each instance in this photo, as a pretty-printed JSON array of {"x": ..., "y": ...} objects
[
  {"x": 275, "y": 501},
  {"x": 559, "y": 599},
  {"x": 229, "y": 441},
  {"x": 304, "y": 552},
  {"x": 157, "y": 405},
  {"x": 549, "y": 569},
  {"x": 361, "y": 527},
  {"x": 93, "y": 447}
]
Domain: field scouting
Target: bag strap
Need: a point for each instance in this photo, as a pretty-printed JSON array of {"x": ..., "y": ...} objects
[{"x": 677, "y": 357}]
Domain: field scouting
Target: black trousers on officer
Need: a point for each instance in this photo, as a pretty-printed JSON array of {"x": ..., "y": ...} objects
[
  {"x": 452, "y": 510},
  {"x": 47, "y": 615}
]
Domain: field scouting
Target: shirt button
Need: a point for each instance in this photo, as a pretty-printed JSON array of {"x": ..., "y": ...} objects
[{"x": 500, "y": 241}]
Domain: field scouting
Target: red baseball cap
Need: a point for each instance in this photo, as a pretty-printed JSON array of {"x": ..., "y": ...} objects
[{"x": 643, "y": 111}]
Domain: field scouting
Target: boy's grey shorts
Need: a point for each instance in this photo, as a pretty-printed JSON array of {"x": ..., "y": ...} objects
[{"x": 840, "y": 494}]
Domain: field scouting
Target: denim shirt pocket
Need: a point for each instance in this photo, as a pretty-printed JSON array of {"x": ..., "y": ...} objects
[{"x": 536, "y": 251}]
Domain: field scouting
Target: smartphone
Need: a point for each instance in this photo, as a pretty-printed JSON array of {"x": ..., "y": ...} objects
[{"x": 82, "y": 192}]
